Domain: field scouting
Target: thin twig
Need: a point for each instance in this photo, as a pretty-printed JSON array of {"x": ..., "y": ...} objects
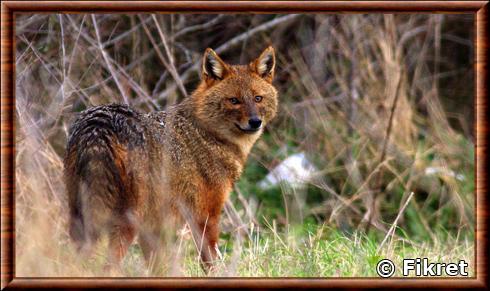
[
  {"x": 122, "y": 35},
  {"x": 75, "y": 45},
  {"x": 168, "y": 66},
  {"x": 170, "y": 57},
  {"x": 390, "y": 122},
  {"x": 391, "y": 231},
  {"x": 197, "y": 27},
  {"x": 108, "y": 63},
  {"x": 382, "y": 157},
  {"x": 134, "y": 85},
  {"x": 246, "y": 35},
  {"x": 48, "y": 67},
  {"x": 231, "y": 43},
  {"x": 235, "y": 218},
  {"x": 63, "y": 54}
]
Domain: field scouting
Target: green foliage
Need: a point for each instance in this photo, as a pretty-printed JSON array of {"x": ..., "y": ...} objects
[{"x": 318, "y": 251}]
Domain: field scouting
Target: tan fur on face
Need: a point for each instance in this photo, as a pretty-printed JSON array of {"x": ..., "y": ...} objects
[{"x": 211, "y": 99}]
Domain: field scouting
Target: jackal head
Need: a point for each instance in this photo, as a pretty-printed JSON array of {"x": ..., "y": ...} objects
[{"x": 237, "y": 100}]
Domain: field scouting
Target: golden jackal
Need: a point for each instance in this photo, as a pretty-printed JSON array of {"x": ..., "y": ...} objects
[{"x": 131, "y": 174}]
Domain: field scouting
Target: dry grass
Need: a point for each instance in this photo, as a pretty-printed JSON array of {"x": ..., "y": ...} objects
[{"x": 362, "y": 95}]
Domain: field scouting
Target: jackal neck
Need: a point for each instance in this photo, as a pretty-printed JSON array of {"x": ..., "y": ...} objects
[
  {"x": 188, "y": 108},
  {"x": 191, "y": 145}
]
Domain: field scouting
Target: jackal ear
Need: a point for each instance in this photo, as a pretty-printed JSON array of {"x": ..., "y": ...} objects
[
  {"x": 213, "y": 66},
  {"x": 265, "y": 64}
]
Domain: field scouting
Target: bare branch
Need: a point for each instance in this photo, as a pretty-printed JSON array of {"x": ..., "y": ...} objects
[
  {"x": 136, "y": 88},
  {"x": 108, "y": 63},
  {"x": 170, "y": 57},
  {"x": 63, "y": 54},
  {"x": 197, "y": 27},
  {"x": 123, "y": 35},
  {"x": 231, "y": 43},
  {"x": 391, "y": 231},
  {"x": 168, "y": 65}
]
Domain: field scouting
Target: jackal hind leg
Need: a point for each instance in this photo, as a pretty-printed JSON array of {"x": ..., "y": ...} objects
[
  {"x": 121, "y": 235},
  {"x": 151, "y": 246},
  {"x": 160, "y": 249}
]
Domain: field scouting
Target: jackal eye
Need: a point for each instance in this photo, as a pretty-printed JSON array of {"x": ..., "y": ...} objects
[
  {"x": 258, "y": 99},
  {"x": 234, "y": 101}
]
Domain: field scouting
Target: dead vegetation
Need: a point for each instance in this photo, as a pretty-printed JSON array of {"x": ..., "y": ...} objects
[{"x": 379, "y": 103}]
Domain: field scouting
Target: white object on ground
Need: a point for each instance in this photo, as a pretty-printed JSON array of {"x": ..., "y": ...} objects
[
  {"x": 444, "y": 171},
  {"x": 296, "y": 170}
]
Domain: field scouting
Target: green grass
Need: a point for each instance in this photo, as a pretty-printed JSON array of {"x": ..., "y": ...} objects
[{"x": 312, "y": 252}]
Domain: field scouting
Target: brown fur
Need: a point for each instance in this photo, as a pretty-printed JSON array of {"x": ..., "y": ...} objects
[{"x": 129, "y": 174}]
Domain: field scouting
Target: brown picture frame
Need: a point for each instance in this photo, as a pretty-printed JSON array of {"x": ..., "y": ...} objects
[{"x": 9, "y": 8}]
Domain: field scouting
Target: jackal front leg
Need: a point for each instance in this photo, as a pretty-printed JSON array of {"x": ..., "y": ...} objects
[{"x": 206, "y": 233}]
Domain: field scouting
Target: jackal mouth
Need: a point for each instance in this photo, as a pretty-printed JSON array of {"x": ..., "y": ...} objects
[{"x": 248, "y": 130}]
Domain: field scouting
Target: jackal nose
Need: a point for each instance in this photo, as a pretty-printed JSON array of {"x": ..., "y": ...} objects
[{"x": 254, "y": 122}]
